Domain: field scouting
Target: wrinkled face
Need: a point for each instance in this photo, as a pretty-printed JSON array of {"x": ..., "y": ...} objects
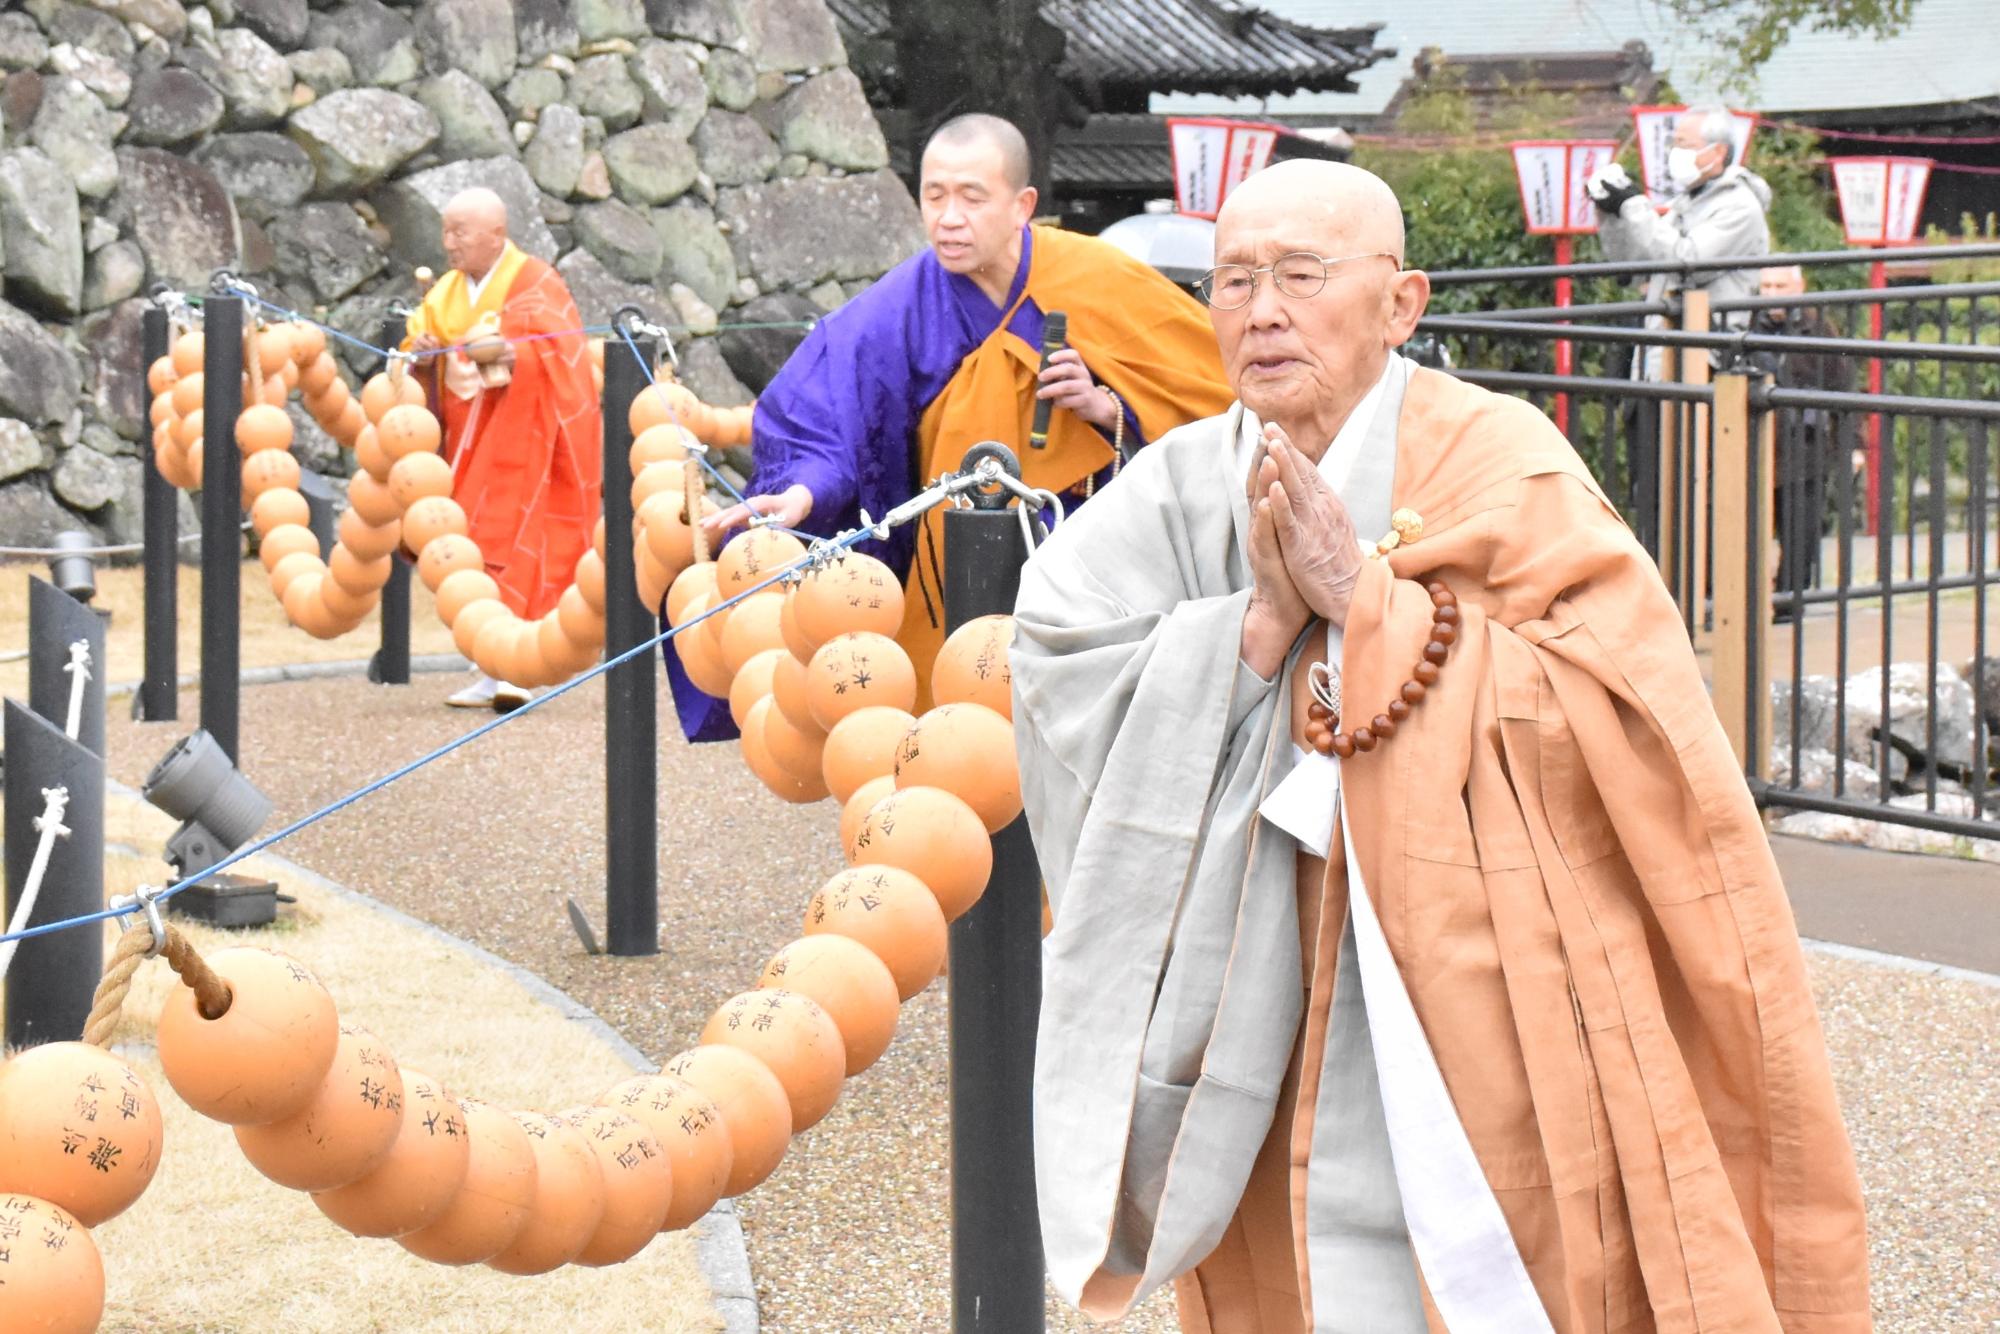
[
  {"x": 473, "y": 240},
  {"x": 1781, "y": 282},
  {"x": 1293, "y": 358},
  {"x": 971, "y": 213},
  {"x": 1709, "y": 157}
]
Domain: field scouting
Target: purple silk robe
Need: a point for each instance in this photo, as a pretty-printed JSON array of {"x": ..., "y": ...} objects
[{"x": 841, "y": 416}]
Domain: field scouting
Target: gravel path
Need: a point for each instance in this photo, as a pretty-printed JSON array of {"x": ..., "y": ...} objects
[{"x": 852, "y": 1232}]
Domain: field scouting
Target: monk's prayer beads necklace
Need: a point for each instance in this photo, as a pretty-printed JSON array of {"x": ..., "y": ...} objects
[{"x": 1323, "y": 714}]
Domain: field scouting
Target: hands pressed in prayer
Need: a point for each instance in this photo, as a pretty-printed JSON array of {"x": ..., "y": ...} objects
[
  {"x": 789, "y": 508},
  {"x": 1277, "y": 612},
  {"x": 1315, "y": 531},
  {"x": 1068, "y": 383}
]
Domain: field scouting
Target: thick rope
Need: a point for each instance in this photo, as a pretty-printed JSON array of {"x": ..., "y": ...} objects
[
  {"x": 691, "y": 493},
  {"x": 211, "y": 993}
]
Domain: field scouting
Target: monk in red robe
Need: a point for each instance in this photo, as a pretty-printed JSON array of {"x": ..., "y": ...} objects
[{"x": 511, "y": 384}]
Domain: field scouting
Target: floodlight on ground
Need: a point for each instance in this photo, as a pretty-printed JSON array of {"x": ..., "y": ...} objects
[
  {"x": 219, "y": 809},
  {"x": 71, "y": 570}
]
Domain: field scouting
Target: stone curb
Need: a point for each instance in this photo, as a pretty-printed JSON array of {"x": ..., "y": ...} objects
[
  {"x": 720, "y": 1250},
  {"x": 305, "y": 671},
  {"x": 1902, "y": 963}
]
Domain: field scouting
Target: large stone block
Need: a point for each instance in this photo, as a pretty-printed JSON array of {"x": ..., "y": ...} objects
[
  {"x": 171, "y": 106},
  {"x": 732, "y": 79},
  {"x": 263, "y": 171},
  {"x": 544, "y": 28},
  {"x": 42, "y": 233},
  {"x": 90, "y": 28},
  {"x": 31, "y": 517},
  {"x": 180, "y": 216},
  {"x": 789, "y": 35},
  {"x": 649, "y": 164},
  {"x": 76, "y": 130},
  {"x": 38, "y": 378},
  {"x": 601, "y": 88},
  {"x": 116, "y": 338},
  {"x": 413, "y": 208},
  {"x": 622, "y": 237},
  {"x": 696, "y": 252},
  {"x": 168, "y": 18},
  {"x": 710, "y": 22},
  {"x": 379, "y": 43},
  {"x": 470, "y": 122},
  {"x": 675, "y": 94},
  {"x": 104, "y": 75},
  {"x": 358, "y": 136},
  {"x": 828, "y": 117},
  {"x": 555, "y": 155},
  {"x": 22, "y": 45},
  {"x": 800, "y": 232},
  {"x": 324, "y": 69},
  {"x": 112, "y": 274},
  {"x": 531, "y": 90},
  {"x": 20, "y": 450},
  {"x": 704, "y": 370},
  {"x": 476, "y": 36},
  {"x": 601, "y": 20},
  {"x": 84, "y": 479},
  {"x": 326, "y": 246},
  {"x": 124, "y": 514},
  {"x": 756, "y": 354},
  {"x": 600, "y": 293},
  {"x": 734, "y": 149},
  {"x": 254, "y": 80},
  {"x": 282, "y": 23}
]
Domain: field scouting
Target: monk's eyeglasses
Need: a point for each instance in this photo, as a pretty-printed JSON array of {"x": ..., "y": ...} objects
[{"x": 1298, "y": 275}]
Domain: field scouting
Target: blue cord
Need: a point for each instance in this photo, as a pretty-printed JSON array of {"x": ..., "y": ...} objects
[{"x": 252, "y": 849}]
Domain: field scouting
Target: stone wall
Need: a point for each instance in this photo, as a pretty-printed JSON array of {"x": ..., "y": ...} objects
[{"x": 711, "y": 161}]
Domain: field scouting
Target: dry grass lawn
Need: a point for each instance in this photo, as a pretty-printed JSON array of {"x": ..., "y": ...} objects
[
  {"x": 268, "y": 639},
  {"x": 214, "y": 1246}
]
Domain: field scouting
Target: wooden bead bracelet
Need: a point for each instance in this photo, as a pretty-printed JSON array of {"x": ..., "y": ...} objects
[{"x": 1322, "y": 720}]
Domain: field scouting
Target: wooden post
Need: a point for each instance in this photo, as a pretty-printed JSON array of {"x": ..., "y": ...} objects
[
  {"x": 1743, "y": 462},
  {"x": 1695, "y": 370}
]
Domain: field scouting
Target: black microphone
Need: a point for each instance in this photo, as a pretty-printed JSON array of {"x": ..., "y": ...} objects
[{"x": 1055, "y": 334}]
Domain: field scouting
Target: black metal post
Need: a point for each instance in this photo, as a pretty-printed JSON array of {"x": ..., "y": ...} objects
[
  {"x": 158, "y": 696},
  {"x": 996, "y": 999},
  {"x": 50, "y": 983},
  {"x": 55, "y": 621},
  {"x": 391, "y": 664},
  {"x": 221, "y": 517},
  {"x": 631, "y": 746}
]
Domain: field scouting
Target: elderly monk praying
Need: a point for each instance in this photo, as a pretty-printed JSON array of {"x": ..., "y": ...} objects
[
  {"x": 1419, "y": 962},
  {"x": 523, "y": 440}
]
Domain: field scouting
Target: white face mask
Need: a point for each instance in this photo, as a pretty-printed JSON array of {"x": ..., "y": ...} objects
[{"x": 1682, "y": 168}]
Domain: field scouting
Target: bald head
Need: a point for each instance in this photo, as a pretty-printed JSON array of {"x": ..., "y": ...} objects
[
  {"x": 1311, "y": 296},
  {"x": 1332, "y": 204},
  {"x": 978, "y": 130},
  {"x": 475, "y": 231}
]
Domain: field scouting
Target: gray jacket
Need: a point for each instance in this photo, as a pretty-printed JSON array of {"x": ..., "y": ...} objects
[{"x": 1723, "y": 217}]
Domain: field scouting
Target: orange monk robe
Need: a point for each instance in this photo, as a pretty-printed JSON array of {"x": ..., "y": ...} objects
[
  {"x": 527, "y": 456},
  {"x": 1142, "y": 337},
  {"x": 1571, "y": 878}
]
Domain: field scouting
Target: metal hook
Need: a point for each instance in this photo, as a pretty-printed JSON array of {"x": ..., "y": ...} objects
[{"x": 146, "y": 898}]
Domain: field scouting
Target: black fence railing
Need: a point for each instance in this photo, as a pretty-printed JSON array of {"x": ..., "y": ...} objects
[{"x": 1822, "y": 502}]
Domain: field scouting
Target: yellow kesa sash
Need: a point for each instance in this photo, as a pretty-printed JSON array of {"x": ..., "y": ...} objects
[
  {"x": 1141, "y": 336},
  {"x": 448, "y": 313}
]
